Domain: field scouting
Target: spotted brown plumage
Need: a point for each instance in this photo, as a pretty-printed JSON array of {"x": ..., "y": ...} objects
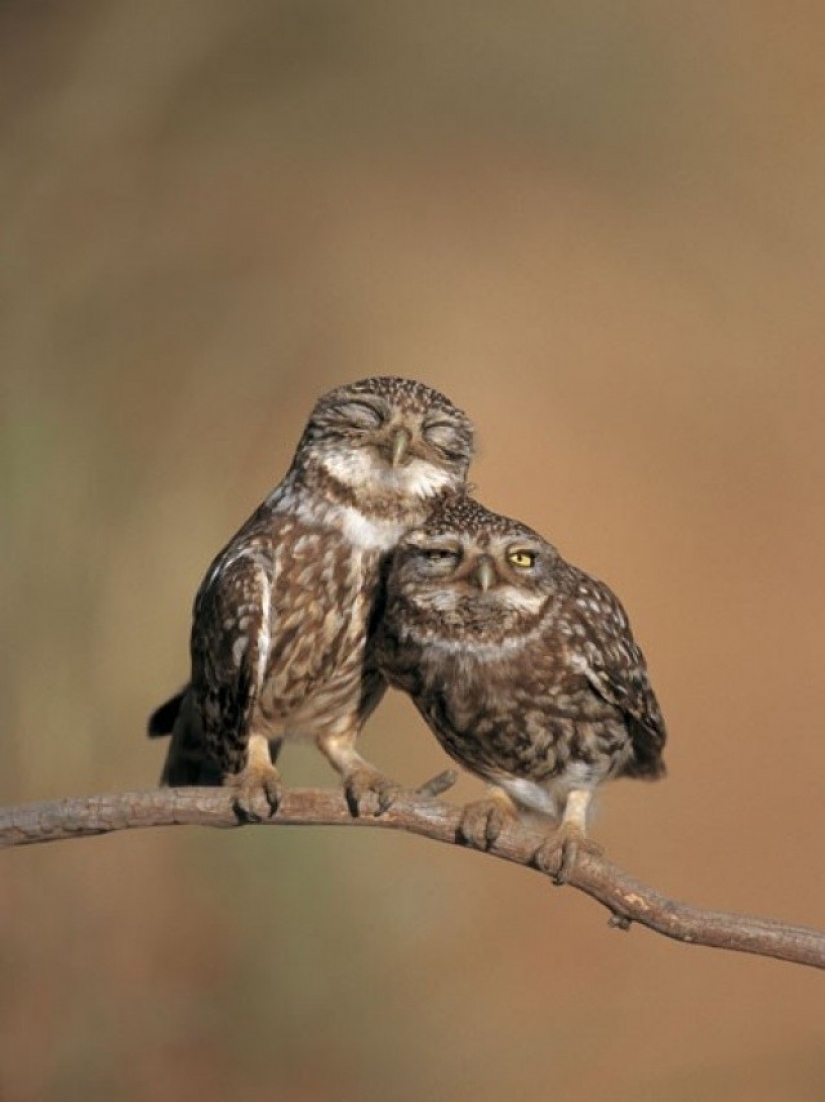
[
  {"x": 282, "y": 622},
  {"x": 523, "y": 665}
]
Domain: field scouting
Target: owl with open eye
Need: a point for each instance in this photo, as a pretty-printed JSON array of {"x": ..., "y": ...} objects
[
  {"x": 283, "y": 622},
  {"x": 523, "y": 666}
]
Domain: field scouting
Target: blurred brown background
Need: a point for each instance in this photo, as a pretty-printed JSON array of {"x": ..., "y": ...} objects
[{"x": 601, "y": 229}]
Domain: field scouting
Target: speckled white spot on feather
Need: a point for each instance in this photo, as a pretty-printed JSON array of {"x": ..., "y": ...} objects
[{"x": 263, "y": 635}]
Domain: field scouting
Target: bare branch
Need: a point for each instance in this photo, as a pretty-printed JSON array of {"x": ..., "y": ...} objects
[{"x": 628, "y": 900}]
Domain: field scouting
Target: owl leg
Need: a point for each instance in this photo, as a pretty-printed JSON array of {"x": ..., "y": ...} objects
[
  {"x": 483, "y": 820},
  {"x": 368, "y": 791},
  {"x": 557, "y": 855},
  {"x": 258, "y": 787}
]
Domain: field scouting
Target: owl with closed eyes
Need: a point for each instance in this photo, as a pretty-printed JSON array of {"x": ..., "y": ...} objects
[
  {"x": 283, "y": 622},
  {"x": 523, "y": 666}
]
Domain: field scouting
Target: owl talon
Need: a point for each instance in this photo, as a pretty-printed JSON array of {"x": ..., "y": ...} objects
[
  {"x": 483, "y": 821},
  {"x": 369, "y": 792},
  {"x": 258, "y": 794},
  {"x": 557, "y": 855}
]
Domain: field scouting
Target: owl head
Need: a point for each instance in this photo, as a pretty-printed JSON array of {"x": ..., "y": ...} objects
[
  {"x": 384, "y": 439},
  {"x": 469, "y": 573}
]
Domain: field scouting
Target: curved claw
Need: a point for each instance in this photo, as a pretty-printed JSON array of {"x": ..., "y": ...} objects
[
  {"x": 369, "y": 792},
  {"x": 557, "y": 854},
  {"x": 258, "y": 794},
  {"x": 483, "y": 821}
]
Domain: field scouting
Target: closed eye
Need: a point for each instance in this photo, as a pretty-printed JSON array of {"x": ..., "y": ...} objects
[
  {"x": 439, "y": 554},
  {"x": 445, "y": 436},
  {"x": 361, "y": 415},
  {"x": 437, "y": 557}
]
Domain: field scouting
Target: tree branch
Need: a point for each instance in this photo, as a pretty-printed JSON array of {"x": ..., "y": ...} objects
[{"x": 421, "y": 813}]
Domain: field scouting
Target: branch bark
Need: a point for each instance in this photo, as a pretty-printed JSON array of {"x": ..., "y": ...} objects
[{"x": 627, "y": 899}]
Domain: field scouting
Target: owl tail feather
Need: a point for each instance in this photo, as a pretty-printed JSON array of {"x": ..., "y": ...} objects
[
  {"x": 186, "y": 761},
  {"x": 162, "y": 720}
]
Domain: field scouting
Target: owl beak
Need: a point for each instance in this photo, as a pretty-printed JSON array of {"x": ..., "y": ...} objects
[
  {"x": 400, "y": 446},
  {"x": 485, "y": 574}
]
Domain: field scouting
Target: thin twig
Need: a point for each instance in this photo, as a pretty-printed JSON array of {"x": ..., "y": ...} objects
[{"x": 628, "y": 900}]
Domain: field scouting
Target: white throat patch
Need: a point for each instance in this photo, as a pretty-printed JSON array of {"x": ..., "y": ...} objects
[
  {"x": 506, "y": 597},
  {"x": 358, "y": 467},
  {"x": 368, "y": 534}
]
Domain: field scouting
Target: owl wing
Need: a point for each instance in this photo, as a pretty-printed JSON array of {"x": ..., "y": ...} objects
[
  {"x": 615, "y": 667},
  {"x": 230, "y": 639}
]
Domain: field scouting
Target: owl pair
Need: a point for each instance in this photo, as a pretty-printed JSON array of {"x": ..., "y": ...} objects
[{"x": 370, "y": 564}]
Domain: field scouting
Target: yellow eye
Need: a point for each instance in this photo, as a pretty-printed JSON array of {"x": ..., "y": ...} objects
[{"x": 522, "y": 559}]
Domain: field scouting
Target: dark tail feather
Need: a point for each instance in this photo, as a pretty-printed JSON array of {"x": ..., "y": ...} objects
[
  {"x": 187, "y": 762},
  {"x": 162, "y": 720},
  {"x": 646, "y": 763}
]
